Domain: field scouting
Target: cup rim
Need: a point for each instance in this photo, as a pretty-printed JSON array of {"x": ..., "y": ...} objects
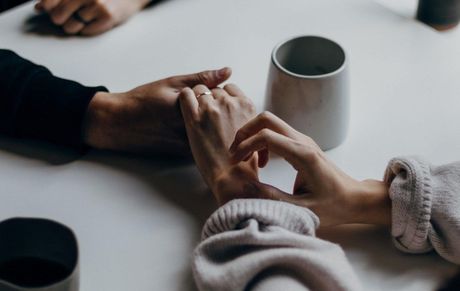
[
  {"x": 72, "y": 277},
  {"x": 279, "y": 66}
]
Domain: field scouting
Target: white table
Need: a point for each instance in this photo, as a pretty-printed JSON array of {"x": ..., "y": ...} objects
[{"x": 138, "y": 219}]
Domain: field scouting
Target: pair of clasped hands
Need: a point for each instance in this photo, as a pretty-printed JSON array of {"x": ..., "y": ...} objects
[
  {"x": 89, "y": 17},
  {"x": 229, "y": 142}
]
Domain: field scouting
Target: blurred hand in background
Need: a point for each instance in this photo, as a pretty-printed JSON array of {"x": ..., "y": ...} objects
[{"x": 90, "y": 17}]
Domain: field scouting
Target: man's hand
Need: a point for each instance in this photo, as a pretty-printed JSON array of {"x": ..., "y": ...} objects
[
  {"x": 146, "y": 119},
  {"x": 89, "y": 17}
]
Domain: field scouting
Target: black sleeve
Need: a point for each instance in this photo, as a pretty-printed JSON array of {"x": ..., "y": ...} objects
[
  {"x": 36, "y": 104},
  {"x": 8, "y": 4}
]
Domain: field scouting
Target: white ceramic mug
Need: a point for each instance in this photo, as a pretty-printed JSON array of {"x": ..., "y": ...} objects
[
  {"x": 308, "y": 88},
  {"x": 37, "y": 255}
]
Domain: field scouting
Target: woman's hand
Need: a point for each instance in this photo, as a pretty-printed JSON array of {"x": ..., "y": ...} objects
[
  {"x": 146, "y": 119},
  {"x": 89, "y": 17},
  {"x": 320, "y": 186},
  {"x": 212, "y": 118}
]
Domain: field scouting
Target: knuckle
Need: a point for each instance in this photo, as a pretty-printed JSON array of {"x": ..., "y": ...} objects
[
  {"x": 265, "y": 133},
  {"x": 247, "y": 102},
  {"x": 199, "y": 89},
  {"x": 204, "y": 77},
  {"x": 69, "y": 30},
  {"x": 265, "y": 116},
  {"x": 228, "y": 87},
  {"x": 99, "y": 3},
  {"x": 247, "y": 105},
  {"x": 218, "y": 93},
  {"x": 213, "y": 111},
  {"x": 312, "y": 156},
  {"x": 57, "y": 18},
  {"x": 209, "y": 110},
  {"x": 231, "y": 86}
]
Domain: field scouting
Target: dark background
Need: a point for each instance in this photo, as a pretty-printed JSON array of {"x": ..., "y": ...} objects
[{"x": 7, "y": 4}]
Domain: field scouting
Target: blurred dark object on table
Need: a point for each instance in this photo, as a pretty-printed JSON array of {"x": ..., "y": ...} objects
[
  {"x": 453, "y": 284},
  {"x": 439, "y": 14},
  {"x": 8, "y": 4}
]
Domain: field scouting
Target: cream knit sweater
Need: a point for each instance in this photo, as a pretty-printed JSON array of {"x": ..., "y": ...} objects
[{"x": 267, "y": 245}]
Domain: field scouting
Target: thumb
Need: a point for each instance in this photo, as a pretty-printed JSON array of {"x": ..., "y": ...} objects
[
  {"x": 210, "y": 79},
  {"x": 270, "y": 192}
]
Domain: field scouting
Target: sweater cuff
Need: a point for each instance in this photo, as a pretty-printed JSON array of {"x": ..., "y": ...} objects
[
  {"x": 266, "y": 212},
  {"x": 410, "y": 189}
]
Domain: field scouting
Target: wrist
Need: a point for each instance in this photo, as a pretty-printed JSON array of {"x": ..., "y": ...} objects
[
  {"x": 99, "y": 120},
  {"x": 372, "y": 204},
  {"x": 235, "y": 182}
]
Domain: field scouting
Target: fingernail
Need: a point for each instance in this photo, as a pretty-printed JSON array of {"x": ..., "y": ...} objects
[{"x": 222, "y": 72}]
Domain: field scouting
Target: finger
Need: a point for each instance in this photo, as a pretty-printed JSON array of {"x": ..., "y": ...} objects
[
  {"x": 39, "y": 7},
  {"x": 200, "y": 91},
  {"x": 97, "y": 27},
  {"x": 264, "y": 157},
  {"x": 272, "y": 193},
  {"x": 219, "y": 93},
  {"x": 64, "y": 11},
  {"x": 188, "y": 104},
  {"x": 300, "y": 186},
  {"x": 266, "y": 139},
  {"x": 264, "y": 120},
  {"x": 234, "y": 90},
  {"x": 48, "y": 5},
  {"x": 73, "y": 26},
  {"x": 211, "y": 79},
  {"x": 89, "y": 13}
]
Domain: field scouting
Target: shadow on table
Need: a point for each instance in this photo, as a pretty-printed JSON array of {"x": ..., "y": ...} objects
[
  {"x": 374, "y": 246},
  {"x": 48, "y": 153},
  {"x": 41, "y": 23},
  {"x": 177, "y": 178},
  {"x": 176, "y": 181}
]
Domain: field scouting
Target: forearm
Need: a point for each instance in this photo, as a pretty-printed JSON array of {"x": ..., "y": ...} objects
[
  {"x": 372, "y": 204},
  {"x": 270, "y": 242},
  {"x": 36, "y": 104}
]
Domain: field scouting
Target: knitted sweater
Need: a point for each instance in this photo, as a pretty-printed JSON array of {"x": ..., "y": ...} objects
[{"x": 256, "y": 244}]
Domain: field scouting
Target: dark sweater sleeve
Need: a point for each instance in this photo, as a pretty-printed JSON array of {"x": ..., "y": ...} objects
[{"x": 36, "y": 104}]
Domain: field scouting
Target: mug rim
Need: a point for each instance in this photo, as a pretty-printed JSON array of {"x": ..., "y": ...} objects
[
  {"x": 279, "y": 66},
  {"x": 71, "y": 279}
]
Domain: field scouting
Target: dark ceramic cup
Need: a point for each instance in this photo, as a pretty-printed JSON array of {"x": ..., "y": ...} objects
[
  {"x": 37, "y": 255},
  {"x": 439, "y": 13}
]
